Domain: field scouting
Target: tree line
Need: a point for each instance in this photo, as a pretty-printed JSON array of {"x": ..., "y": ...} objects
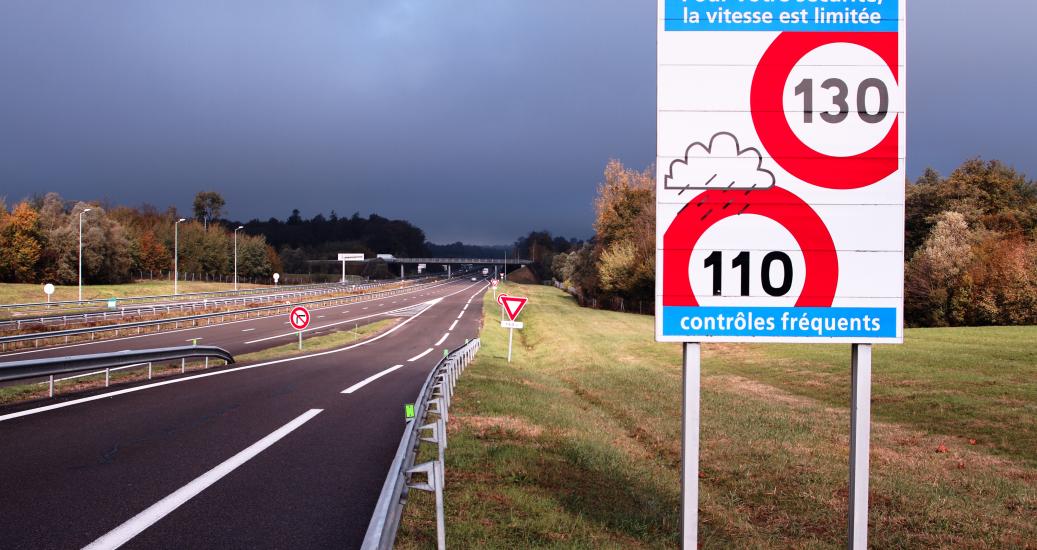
[
  {"x": 39, "y": 242},
  {"x": 970, "y": 246}
]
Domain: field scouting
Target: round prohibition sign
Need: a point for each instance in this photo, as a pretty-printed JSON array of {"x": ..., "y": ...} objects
[
  {"x": 778, "y": 137},
  {"x": 299, "y": 318},
  {"x": 775, "y": 203}
]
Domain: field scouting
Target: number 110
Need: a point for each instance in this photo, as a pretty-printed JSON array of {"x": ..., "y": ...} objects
[{"x": 741, "y": 262}]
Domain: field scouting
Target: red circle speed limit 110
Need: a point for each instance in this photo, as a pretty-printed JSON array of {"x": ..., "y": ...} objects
[
  {"x": 787, "y": 148},
  {"x": 299, "y": 318}
]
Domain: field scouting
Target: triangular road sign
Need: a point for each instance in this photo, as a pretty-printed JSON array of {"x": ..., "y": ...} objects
[{"x": 512, "y": 305}]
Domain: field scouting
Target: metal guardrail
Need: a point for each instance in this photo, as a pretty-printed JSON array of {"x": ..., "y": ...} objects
[
  {"x": 170, "y": 297},
  {"x": 176, "y": 321},
  {"x": 101, "y": 316},
  {"x": 434, "y": 398},
  {"x": 107, "y": 362}
]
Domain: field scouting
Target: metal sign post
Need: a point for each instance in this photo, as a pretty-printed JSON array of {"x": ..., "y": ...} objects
[
  {"x": 690, "y": 445},
  {"x": 860, "y": 446}
]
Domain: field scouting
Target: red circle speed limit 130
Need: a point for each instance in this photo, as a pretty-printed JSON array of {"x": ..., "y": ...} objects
[{"x": 781, "y": 140}]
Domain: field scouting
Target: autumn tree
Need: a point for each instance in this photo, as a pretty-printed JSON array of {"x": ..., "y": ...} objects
[
  {"x": 21, "y": 244},
  {"x": 625, "y": 231},
  {"x": 208, "y": 206}
]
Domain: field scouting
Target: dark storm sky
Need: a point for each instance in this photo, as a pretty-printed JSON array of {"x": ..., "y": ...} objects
[{"x": 477, "y": 120}]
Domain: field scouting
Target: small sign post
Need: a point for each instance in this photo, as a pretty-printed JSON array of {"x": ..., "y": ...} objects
[
  {"x": 512, "y": 306},
  {"x": 299, "y": 319},
  {"x": 277, "y": 276},
  {"x": 48, "y": 289}
]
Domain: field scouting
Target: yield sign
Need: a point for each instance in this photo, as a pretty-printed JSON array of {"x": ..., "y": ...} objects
[
  {"x": 512, "y": 305},
  {"x": 299, "y": 318}
]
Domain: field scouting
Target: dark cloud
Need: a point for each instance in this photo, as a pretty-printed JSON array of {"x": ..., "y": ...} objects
[{"x": 477, "y": 120}]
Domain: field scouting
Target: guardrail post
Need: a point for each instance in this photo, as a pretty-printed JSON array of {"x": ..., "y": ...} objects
[{"x": 430, "y": 469}]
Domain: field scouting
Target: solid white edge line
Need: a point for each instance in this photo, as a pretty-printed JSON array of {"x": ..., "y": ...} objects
[
  {"x": 64, "y": 404},
  {"x": 370, "y": 379},
  {"x": 420, "y": 355},
  {"x": 443, "y": 339},
  {"x": 152, "y": 514},
  {"x": 454, "y": 324},
  {"x": 459, "y": 315}
]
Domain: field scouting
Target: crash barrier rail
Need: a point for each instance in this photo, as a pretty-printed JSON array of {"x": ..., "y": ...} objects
[
  {"x": 192, "y": 320},
  {"x": 434, "y": 398},
  {"x": 107, "y": 362},
  {"x": 101, "y": 316}
]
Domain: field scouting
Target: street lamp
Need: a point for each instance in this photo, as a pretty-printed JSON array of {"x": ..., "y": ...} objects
[
  {"x": 85, "y": 210},
  {"x": 176, "y": 254},
  {"x": 240, "y": 227}
]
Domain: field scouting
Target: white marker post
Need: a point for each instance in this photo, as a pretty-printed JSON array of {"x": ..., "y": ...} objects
[{"x": 48, "y": 289}]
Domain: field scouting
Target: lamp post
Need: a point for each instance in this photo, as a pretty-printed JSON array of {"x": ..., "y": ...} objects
[
  {"x": 176, "y": 255},
  {"x": 240, "y": 227},
  {"x": 85, "y": 210}
]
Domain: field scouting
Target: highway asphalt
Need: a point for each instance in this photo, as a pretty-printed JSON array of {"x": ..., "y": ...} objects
[{"x": 271, "y": 455}]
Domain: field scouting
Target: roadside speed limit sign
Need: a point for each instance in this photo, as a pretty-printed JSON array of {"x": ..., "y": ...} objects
[
  {"x": 299, "y": 318},
  {"x": 780, "y": 183}
]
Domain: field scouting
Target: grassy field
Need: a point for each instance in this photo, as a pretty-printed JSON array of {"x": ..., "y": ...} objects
[
  {"x": 576, "y": 443},
  {"x": 11, "y": 293}
]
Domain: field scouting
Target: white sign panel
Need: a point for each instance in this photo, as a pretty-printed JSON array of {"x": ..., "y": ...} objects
[
  {"x": 512, "y": 324},
  {"x": 350, "y": 257},
  {"x": 780, "y": 185}
]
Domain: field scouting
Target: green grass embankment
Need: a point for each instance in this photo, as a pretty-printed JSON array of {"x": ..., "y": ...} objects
[{"x": 576, "y": 443}]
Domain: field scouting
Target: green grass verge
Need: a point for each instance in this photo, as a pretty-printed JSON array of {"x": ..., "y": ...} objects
[
  {"x": 320, "y": 343},
  {"x": 576, "y": 443},
  {"x": 17, "y": 293}
]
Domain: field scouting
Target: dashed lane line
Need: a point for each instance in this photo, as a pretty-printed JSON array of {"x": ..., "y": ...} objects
[{"x": 370, "y": 379}]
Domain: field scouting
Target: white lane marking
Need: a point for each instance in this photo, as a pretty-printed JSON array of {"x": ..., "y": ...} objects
[
  {"x": 152, "y": 514},
  {"x": 420, "y": 355},
  {"x": 370, "y": 379},
  {"x": 247, "y": 329},
  {"x": 465, "y": 308},
  {"x": 176, "y": 331},
  {"x": 193, "y": 339},
  {"x": 443, "y": 339},
  {"x": 64, "y": 404},
  {"x": 453, "y": 325},
  {"x": 459, "y": 315},
  {"x": 320, "y": 316},
  {"x": 367, "y": 308}
]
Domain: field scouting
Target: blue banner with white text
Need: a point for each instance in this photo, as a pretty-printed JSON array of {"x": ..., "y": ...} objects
[
  {"x": 783, "y": 15},
  {"x": 780, "y": 322}
]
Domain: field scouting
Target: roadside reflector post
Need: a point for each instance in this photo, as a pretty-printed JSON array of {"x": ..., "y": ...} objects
[
  {"x": 860, "y": 445},
  {"x": 52, "y": 385},
  {"x": 690, "y": 446}
]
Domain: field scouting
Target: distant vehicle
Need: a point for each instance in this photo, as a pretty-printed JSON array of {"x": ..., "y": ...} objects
[
  {"x": 485, "y": 271},
  {"x": 475, "y": 278}
]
